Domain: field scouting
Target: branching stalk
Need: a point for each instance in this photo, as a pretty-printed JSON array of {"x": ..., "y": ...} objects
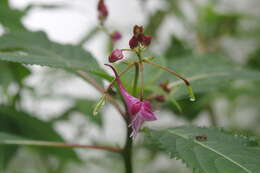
[
  {"x": 58, "y": 144},
  {"x": 120, "y": 74},
  {"x": 88, "y": 36},
  {"x": 187, "y": 83},
  {"x": 136, "y": 79},
  {"x": 168, "y": 70},
  {"x": 90, "y": 80}
]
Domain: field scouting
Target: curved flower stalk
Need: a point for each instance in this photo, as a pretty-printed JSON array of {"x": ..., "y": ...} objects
[{"x": 139, "y": 111}]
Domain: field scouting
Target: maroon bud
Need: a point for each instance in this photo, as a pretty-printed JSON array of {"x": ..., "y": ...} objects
[
  {"x": 133, "y": 42},
  {"x": 115, "y": 36},
  {"x": 116, "y": 55},
  {"x": 160, "y": 98},
  {"x": 102, "y": 10},
  {"x": 138, "y": 30},
  {"x": 146, "y": 40},
  {"x": 164, "y": 86}
]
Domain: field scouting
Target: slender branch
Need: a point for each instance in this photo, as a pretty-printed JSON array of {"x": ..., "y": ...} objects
[
  {"x": 89, "y": 79},
  {"x": 120, "y": 74},
  {"x": 58, "y": 144},
  {"x": 168, "y": 70},
  {"x": 187, "y": 83},
  {"x": 129, "y": 50},
  {"x": 104, "y": 28},
  {"x": 136, "y": 79},
  {"x": 141, "y": 75},
  {"x": 88, "y": 36}
]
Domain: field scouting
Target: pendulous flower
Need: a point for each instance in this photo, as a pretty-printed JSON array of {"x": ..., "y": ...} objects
[
  {"x": 116, "y": 55},
  {"x": 139, "y": 111}
]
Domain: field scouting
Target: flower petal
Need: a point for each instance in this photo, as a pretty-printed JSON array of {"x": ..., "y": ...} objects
[
  {"x": 147, "y": 112},
  {"x": 136, "y": 107},
  {"x": 136, "y": 124}
]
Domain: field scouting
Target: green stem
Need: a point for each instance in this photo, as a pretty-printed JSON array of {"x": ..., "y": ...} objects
[
  {"x": 88, "y": 36},
  {"x": 127, "y": 152},
  {"x": 136, "y": 78},
  {"x": 142, "y": 75}
]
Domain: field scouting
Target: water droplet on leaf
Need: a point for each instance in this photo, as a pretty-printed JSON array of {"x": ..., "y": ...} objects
[{"x": 192, "y": 99}]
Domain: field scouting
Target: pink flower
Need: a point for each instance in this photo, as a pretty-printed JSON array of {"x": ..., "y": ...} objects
[
  {"x": 140, "y": 111},
  {"x": 115, "y": 36},
  {"x": 116, "y": 55}
]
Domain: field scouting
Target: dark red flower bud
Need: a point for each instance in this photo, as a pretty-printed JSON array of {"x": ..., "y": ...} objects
[
  {"x": 102, "y": 10},
  {"x": 116, "y": 55},
  {"x": 160, "y": 98},
  {"x": 133, "y": 42},
  {"x": 145, "y": 40},
  {"x": 115, "y": 36},
  {"x": 164, "y": 86},
  {"x": 138, "y": 30}
]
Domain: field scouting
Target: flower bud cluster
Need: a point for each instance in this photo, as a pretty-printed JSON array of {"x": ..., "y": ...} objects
[{"x": 139, "y": 38}]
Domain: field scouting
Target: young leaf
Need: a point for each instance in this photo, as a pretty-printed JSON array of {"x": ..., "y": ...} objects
[{"x": 208, "y": 149}]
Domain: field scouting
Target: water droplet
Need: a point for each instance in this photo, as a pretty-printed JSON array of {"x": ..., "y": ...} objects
[
  {"x": 192, "y": 96},
  {"x": 95, "y": 113},
  {"x": 192, "y": 99}
]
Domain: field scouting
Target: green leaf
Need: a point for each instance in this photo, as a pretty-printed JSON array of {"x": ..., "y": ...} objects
[
  {"x": 190, "y": 110},
  {"x": 6, "y": 152},
  {"x": 253, "y": 60},
  {"x": 26, "y": 126},
  {"x": 206, "y": 73},
  {"x": 212, "y": 24},
  {"x": 14, "y": 20},
  {"x": 45, "y": 6},
  {"x": 208, "y": 149},
  {"x": 155, "y": 22},
  {"x": 36, "y": 48},
  {"x": 177, "y": 48},
  {"x": 12, "y": 72}
]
